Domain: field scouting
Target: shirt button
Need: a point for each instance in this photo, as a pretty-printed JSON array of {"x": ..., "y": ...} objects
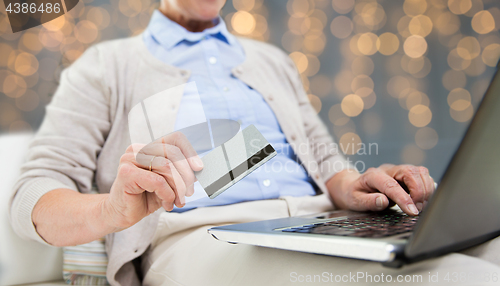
[
  {"x": 293, "y": 137},
  {"x": 317, "y": 177},
  {"x": 212, "y": 60},
  {"x": 270, "y": 98},
  {"x": 226, "y": 89},
  {"x": 239, "y": 70},
  {"x": 266, "y": 182}
]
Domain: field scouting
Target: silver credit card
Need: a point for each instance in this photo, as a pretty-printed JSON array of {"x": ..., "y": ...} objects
[{"x": 227, "y": 164}]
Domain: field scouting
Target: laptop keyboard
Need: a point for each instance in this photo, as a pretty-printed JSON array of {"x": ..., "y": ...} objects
[{"x": 375, "y": 225}]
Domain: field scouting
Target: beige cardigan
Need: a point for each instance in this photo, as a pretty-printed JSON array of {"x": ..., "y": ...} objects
[{"x": 85, "y": 131}]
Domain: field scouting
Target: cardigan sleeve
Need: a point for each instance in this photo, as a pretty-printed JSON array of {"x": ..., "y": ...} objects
[{"x": 64, "y": 151}]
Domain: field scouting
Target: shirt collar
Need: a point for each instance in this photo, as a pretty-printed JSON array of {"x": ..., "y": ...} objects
[{"x": 168, "y": 33}]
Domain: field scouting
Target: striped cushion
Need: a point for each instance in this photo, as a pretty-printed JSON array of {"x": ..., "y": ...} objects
[{"x": 85, "y": 264}]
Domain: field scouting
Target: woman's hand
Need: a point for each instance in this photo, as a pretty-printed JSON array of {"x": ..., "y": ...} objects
[
  {"x": 137, "y": 192},
  {"x": 378, "y": 188}
]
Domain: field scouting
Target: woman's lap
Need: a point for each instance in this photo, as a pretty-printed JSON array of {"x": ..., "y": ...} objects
[{"x": 193, "y": 257}]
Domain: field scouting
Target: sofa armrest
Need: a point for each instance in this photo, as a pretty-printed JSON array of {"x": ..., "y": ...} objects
[{"x": 21, "y": 261}]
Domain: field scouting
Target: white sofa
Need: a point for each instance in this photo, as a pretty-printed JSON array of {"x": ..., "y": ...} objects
[{"x": 21, "y": 261}]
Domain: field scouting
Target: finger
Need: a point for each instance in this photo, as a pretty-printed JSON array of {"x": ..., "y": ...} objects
[
  {"x": 133, "y": 147},
  {"x": 428, "y": 183},
  {"x": 167, "y": 205},
  {"x": 182, "y": 166},
  {"x": 153, "y": 202},
  {"x": 435, "y": 186},
  {"x": 411, "y": 177},
  {"x": 387, "y": 185},
  {"x": 164, "y": 149},
  {"x": 145, "y": 157},
  {"x": 158, "y": 164},
  {"x": 166, "y": 169},
  {"x": 178, "y": 139},
  {"x": 153, "y": 182},
  {"x": 363, "y": 201},
  {"x": 138, "y": 181},
  {"x": 127, "y": 157},
  {"x": 181, "y": 179},
  {"x": 175, "y": 181}
]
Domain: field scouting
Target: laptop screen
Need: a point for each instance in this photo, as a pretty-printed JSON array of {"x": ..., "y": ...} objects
[{"x": 465, "y": 209}]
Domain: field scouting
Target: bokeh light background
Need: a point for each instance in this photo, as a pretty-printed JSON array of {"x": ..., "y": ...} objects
[{"x": 407, "y": 74}]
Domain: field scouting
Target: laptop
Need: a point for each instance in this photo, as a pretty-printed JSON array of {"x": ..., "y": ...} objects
[{"x": 463, "y": 211}]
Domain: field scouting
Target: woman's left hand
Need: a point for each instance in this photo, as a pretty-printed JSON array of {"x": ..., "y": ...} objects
[{"x": 406, "y": 185}]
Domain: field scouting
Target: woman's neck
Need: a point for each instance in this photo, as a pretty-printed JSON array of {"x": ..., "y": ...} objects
[{"x": 176, "y": 15}]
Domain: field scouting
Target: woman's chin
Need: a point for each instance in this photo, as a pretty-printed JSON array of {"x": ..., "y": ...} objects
[{"x": 208, "y": 15}]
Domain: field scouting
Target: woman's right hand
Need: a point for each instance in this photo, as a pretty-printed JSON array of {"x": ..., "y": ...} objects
[{"x": 138, "y": 192}]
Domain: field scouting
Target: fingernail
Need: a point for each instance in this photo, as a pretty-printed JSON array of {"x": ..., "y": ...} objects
[
  {"x": 412, "y": 209},
  {"x": 379, "y": 202},
  {"x": 183, "y": 200},
  {"x": 170, "y": 207},
  {"x": 199, "y": 162},
  {"x": 419, "y": 206}
]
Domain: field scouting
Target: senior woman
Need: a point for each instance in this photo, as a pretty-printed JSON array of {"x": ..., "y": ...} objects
[{"x": 84, "y": 142}]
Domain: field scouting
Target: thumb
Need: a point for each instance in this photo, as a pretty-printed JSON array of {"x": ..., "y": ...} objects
[{"x": 370, "y": 202}]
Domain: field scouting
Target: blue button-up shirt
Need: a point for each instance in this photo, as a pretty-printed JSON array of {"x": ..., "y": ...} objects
[{"x": 210, "y": 56}]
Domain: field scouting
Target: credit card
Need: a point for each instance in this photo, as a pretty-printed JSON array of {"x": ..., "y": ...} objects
[{"x": 227, "y": 164}]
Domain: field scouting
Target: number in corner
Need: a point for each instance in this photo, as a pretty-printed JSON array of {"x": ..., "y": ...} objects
[{"x": 18, "y": 8}]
